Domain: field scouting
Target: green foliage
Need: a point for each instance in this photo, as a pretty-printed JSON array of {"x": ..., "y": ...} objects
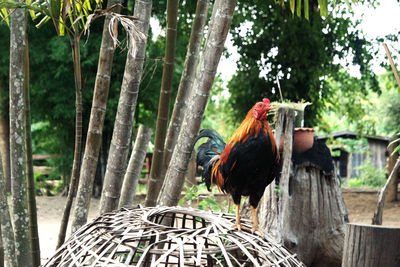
[
  {"x": 52, "y": 85},
  {"x": 192, "y": 197},
  {"x": 301, "y": 53},
  {"x": 351, "y": 99},
  {"x": 295, "y": 7},
  {"x": 370, "y": 176},
  {"x": 396, "y": 149},
  {"x": 53, "y": 93},
  {"x": 354, "y": 107},
  {"x": 217, "y": 114},
  {"x": 359, "y": 145},
  {"x": 47, "y": 185},
  {"x": 388, "y": 108},
  {"x": 141, "y": 189},
  {"x": 357, "y": 108}
]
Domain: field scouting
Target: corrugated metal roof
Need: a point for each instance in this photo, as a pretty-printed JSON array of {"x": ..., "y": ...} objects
[{"x": 351, "y": 134}]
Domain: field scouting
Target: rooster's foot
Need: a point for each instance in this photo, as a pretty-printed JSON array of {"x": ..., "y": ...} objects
[
  {"x": 255, "y": 229},
  {"x": 240, "y": 227}
]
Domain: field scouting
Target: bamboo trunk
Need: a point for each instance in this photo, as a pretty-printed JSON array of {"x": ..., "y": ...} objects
[
  {"x": 31, "y": 190},
  {"x": 221, "y": 20},
  {"x": 94, "y": 135},
  {"x": 18, "y": 137},
  {"x": 187, "y": 79},
  {"x": 7, "y": 233},
  {"x": 1, "y": 251},
  {"x": 135, "y": 167},
  {"x": 371, "y": 246},
  {"x": 121, "y": 139},
  {"x": 76, "y": 165},
  {"x": 5, "y": 145},
  {"x": 190, "y": 179},
  {"x": 155, "y": 179}
]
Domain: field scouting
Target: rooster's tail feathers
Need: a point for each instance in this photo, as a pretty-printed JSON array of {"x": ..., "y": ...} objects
[
  {"x": 208, "y": 153},
  {"x": 214, "y": 146}
]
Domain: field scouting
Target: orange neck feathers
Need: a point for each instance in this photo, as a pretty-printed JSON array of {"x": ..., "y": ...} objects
[{"x": 249, "y": 126}]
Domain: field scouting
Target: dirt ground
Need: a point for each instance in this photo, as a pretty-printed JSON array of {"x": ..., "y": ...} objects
[{"x": 360, "y": 207}]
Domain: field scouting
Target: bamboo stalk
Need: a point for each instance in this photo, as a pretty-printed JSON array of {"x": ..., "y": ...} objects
[
  {"x": 31, "y": 190},
  {"x": 396, "y": 74},
  {"x": 156, "y": 179},
  {"x": 377, "y": 218}
]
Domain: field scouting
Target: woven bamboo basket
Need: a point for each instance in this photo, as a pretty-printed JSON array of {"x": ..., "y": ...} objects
[{"x": 168, "y": 236}]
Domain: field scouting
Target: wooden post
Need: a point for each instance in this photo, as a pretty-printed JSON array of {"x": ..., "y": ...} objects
[
  {"x": 306, "y": 212},
  {"x": 391, "y": 162},
  {"x": 371, "y": 245},
  {"x": 377, "y": 219}
]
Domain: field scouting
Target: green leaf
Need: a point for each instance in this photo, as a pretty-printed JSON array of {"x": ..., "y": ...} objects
[
  {"x": 55, "y": 8},
  {"x": 4, "y": 15},
  {"x": 299, "y": 8},
  {"x": 31, "y": 12},
  {"x": 61, "y": 27},
  {"x": 348, "y": 3},
  {"x": 292, "y": 4},
  {"x": 396, "y": 150},
  {"x": 306, "y": 10},
  {"x": 323, "y": 7},
  {"x": 43, "y": 21}
]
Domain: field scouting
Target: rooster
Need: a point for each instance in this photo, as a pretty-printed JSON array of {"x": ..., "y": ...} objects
[{"x": 246, "y": 164}]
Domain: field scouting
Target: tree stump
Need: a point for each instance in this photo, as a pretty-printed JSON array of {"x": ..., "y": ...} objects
[
  {"x": 305, "y": 211},
  {"x": 371, "y": 245}
]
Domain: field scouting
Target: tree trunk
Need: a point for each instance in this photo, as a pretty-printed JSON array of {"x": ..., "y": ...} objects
[
  {"x": 174, "y": 178},
  {"x": 190, "y": 179},
  {"x": 75, "y": 46},
  {"x": 155, "y": 179},
  {"x": 1, "y": 251},
  {"x": 370, "y": 246},
  {"x": 30, "y": 181},
  {"x": 121, "y": 139},
  {"x": 5, "y": 142},
  {"x": 185, "y": 85},
  {"x": 377, "y": 219},
  {"x": 393, "y": 185},
  {"x": 7, "y": 232},
  {"x": 307, "y": 212},
  {"x": 135, "y": 167},
  {"x": 18, "y": 137},
  {"x": 94, "y": 135}
]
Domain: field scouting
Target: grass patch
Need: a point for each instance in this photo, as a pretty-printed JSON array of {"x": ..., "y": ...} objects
[{"x": 370, "y": 176}]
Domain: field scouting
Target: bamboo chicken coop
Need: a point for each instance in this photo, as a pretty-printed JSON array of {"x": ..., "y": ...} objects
[{"x": 169, "y": 236}]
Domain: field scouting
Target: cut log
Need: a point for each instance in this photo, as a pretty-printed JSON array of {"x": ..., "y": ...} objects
[
  {"x": 371, "y": 246},
  {"x": 306, "y": 211}
]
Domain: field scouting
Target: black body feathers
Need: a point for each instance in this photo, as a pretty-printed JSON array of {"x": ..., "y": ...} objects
[{"x": 247, "y": 167}]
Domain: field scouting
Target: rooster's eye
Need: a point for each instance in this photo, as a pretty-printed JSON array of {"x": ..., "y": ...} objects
[{"x": 260, "y": 105}]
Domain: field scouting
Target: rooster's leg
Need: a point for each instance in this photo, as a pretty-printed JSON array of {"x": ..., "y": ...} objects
[
  {"x": 237, "y": 224},
  {"x": 255, "y": 228}
]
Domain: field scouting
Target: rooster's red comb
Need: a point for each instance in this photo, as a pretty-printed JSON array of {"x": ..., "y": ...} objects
[{"x": 266, "y": 100}]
